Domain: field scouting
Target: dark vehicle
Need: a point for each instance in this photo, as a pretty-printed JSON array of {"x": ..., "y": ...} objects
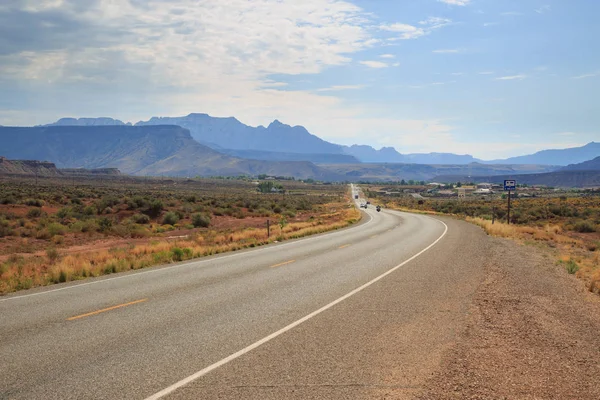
[
  {"x": 368, "y": 202},
  {"x": 378, "y": 208}
]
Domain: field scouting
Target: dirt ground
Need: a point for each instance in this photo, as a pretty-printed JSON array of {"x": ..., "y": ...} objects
[{"x": 533, "y": 333}]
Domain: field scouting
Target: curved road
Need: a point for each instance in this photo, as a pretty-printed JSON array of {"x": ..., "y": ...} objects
[{"x": 195, "y": 330}]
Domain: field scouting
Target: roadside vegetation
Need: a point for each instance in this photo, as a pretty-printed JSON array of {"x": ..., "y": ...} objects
[
  {"x": 566, "y": 226},
  {"x": 61, "y": 230}
]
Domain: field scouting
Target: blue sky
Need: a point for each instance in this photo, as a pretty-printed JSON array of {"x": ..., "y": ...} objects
[{"x": 491, "y": 78}]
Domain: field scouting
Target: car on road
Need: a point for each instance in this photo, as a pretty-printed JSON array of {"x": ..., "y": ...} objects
[{"x": 378, "y": 208}]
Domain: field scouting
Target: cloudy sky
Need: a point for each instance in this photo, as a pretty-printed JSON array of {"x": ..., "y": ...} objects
[{"x": 491, "y": 78}]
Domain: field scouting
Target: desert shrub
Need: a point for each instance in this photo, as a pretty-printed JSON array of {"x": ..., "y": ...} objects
[
  {"x": 136, "y": 202},
  {"x": 584, "y": 227},
  {"x": 7, "y": 200},
  {"x": 140, "y": 218},
  {"x": 5, "y": 229},
  {"x": 34, "y": 202},
  {"x": 137, "y": 231},
  {"x": 154, "y": 208},
  {"x": 54, "y": 228},
  {"x": 571, "y": 266},
  {"x": 64, "y": 212},
  {"x": 191, "y": 199},
  {"x": 107, "y": 202},
  {"x": 52, "y": 254},
  {"x": 76, "y": 200},
  {"x": 200, "y": 220},
  {"x": 104, "y": 224},
  {"x": 170, "y": 218},
  {"x": 84, "y": 226},
  {"x": 34, "y": 213},
  {"x": 177, "y": 254},
  {"x": 289, "y": 214},
  {"x": 90, "y": 210}
]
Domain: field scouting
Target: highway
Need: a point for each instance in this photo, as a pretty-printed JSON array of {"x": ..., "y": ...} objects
[{"x": 347, "y": 314}]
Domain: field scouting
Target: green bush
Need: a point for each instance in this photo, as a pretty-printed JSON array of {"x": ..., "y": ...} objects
[
  {"x": 104, "y": 224},
  {"x": 170, "y": 218},
  {"x": 54, "y": 228},
  {"x": 585, "y": 227},
  {"x": 200, "y": 220},
  {"x": 140, "y": 219},
  {"x": 34, "y": 213},
  {"x": 177, "y": 254},
  {"x": 34, "y": 202},
  {"x": 571, "y": 267},
  {"x": 8, "y": 200},
  {"x": 155, "y": 208}
]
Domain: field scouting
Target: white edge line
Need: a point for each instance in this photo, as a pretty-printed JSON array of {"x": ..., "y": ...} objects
[
  {"x": 266, "y": 339},
  {"x": 218, "y": 258}
]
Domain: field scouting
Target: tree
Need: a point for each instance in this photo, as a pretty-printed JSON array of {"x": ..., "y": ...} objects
[
  {"x": 458, "y": 184},
  {"x": 403, "y": 182},
  {"x": 265, "y": 187}
]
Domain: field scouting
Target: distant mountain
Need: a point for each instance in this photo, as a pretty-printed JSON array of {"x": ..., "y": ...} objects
[
  {"x": 102, "y": 121},
  {"x": 278, "y": 156},
  {"x": 397, "y": 172},
  {"x": 368, "y": 154},
  {"x": 440, "y": 158},
  {"x": 27, "y": 167},
  {"x": 572, "y": 155},
  {"x": 592, "y": 165},
  {"x": 229, "y": 133},
  {"x": 141, "y": 150}
]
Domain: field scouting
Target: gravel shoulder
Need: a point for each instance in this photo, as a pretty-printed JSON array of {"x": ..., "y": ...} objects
[{"x": 532, "y": 332}]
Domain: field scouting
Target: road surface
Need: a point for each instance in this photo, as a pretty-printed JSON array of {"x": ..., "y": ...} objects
[{"x": 348, "y": 314}]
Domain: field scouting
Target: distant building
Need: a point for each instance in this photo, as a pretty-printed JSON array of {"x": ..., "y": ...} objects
[
  {"x": 483, "y": 191},
  {"x": 484, "y": 186}
]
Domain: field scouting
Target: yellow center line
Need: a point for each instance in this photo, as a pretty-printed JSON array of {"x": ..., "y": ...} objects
[
  {"x": 282, "y": 264},
  {"x": 344, "y": 246},
  {"x": 105, "y": 310}
]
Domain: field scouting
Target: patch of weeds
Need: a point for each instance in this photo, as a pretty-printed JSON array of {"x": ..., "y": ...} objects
[{"x": 570, "y": 266}]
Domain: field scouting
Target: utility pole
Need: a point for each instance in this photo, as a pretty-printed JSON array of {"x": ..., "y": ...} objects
[{"x": 268, "y": 229}]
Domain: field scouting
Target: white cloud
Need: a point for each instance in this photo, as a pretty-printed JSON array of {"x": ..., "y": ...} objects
[
  {"x": 543, "y": 9},
  {"x": 486, "y": 73},
  {"x": 511, "y": 14},
  {"x": 413, "y": 32},
  {"x": 335, "y": 88},
  {"x": 511, "y": 77},
  {"x": 590, "y": 75},
  {"x": 387, "y": 56},
  {"x": 486, "y": 24},
  {"x": 456, "y": 2},
  {"x": 374, "y": 64},
  {"x": 407, "y": 31},
  {"x": 446, "y": 51}
]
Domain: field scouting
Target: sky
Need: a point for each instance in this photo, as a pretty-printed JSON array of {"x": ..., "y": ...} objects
[{"x": 490, "y": 78}]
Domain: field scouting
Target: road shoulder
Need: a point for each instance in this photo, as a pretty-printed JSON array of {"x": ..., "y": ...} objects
[{"x": 532, "y": 333}]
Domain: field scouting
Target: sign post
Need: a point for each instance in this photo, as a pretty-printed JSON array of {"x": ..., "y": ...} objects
[{"x": 509, "y": 185}]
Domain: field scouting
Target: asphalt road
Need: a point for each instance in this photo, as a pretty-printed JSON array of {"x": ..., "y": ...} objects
[{"x": 299, "y": 319}]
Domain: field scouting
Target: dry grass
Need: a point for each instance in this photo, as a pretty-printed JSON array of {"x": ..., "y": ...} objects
[
  {"x": 572, "y": 253},
  {"x": 20, "y": 273}
]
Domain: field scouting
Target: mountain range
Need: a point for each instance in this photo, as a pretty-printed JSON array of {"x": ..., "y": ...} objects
[
  {"x": 140, "y": 150},
  {"x": 281, "y": 142},
  {"x": 207, "y": 146}
]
